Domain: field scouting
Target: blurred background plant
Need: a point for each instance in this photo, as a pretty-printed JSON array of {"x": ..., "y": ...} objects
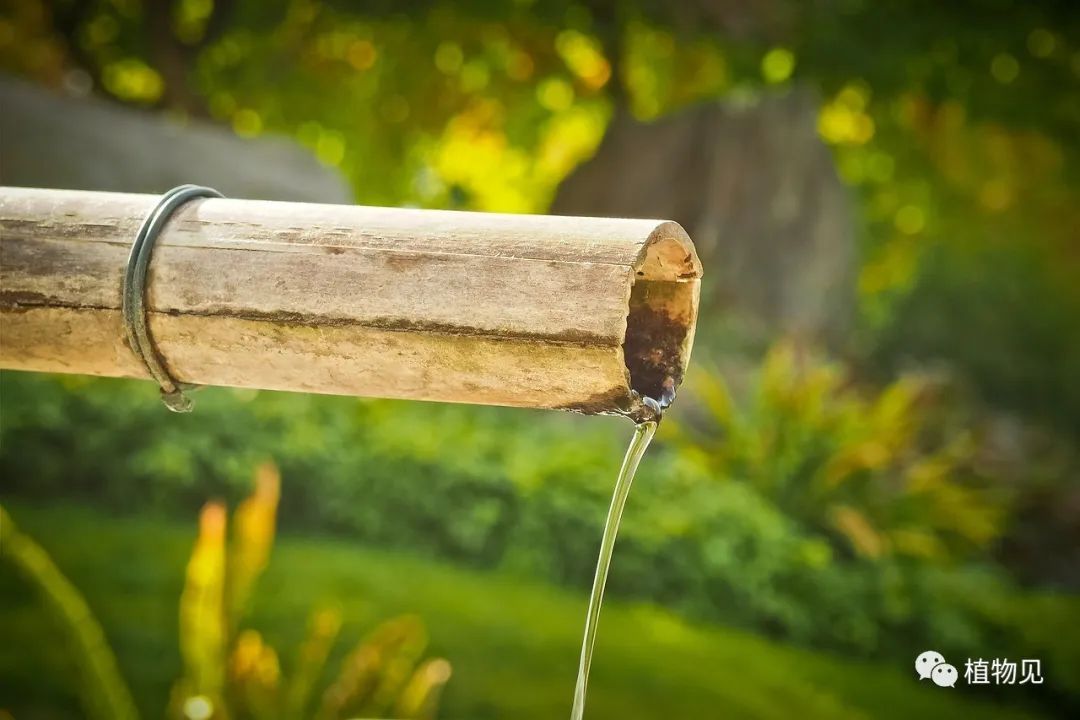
[
  {"x": 893, "y": 469},
  {"x": 230, "y": 671},
  {"x": 102, "y": 689},
  {"x": 879, "y": 475}
]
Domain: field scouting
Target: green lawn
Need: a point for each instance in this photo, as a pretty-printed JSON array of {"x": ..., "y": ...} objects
[{"x": 513, "y": 644}]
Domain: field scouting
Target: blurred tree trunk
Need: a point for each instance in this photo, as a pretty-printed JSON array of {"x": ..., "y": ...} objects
[
  {"x": 172, "y": 59},
  {"x": 757, "y": 191}
]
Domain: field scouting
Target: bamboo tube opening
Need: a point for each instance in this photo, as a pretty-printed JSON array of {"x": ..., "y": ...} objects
[{"x": 662, "y": 314}]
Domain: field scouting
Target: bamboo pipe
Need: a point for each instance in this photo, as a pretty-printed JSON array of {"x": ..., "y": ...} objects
[{"x": 582, "y": 314}]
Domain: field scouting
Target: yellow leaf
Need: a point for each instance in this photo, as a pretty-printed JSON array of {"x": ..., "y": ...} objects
[
  {"x": 253, "y": 538},
  {"x": 420, "y": 698},
  {"x": 323, "y": 629},
  {"x": 255, "y": 674},
  {"x": 917, "y": 543},
  {"x": 202, "y": 617},
  {"x": 373, "y": 674},
  {"x": 855, "y": 526}
]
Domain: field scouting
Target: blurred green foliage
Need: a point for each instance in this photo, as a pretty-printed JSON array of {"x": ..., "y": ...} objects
[
  {"x": 829, "y": 515},
  {"x": 229, "y": 672},
  {"x": 881, "y": 474},
  {"x": 104, "y": 694},
  {"x": 514, "y": 642}
]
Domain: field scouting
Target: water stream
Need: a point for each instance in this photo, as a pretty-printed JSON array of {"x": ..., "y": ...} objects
[{"x": 643, "y": 434}]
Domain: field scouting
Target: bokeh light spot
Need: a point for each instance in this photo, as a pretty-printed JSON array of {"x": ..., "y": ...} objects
[
  {"x": 101, "y": 30},
  {"x": 198, "y": 707},
  {"x": 1041, "y": 42},
  {"x": 843, "y": 121},
  {"x": 475, "y": 76},
  {"x": 133, "y": 80},
  {"x": 520, "y": 66},
  {"x": 910, "y": 219},
  {"x": 449, "y": 58},
  {"x": 1004, "y": 68},
  {"x": 330, "y": 149},
  {"x": 555, "y": 94},
  {"x": 361, "y": 54},
  {"x": 247, "y": 123},
  {"x": 879, "y": 167},
  {"x": 777, "y": 65},
  {"x": 584, "y": 58}
]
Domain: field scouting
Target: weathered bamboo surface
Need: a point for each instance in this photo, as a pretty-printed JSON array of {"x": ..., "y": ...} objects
[{"x": 582, "y": 314}]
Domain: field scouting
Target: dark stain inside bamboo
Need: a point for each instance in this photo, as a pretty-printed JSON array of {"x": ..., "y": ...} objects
[{"x": 656, "y": 344}]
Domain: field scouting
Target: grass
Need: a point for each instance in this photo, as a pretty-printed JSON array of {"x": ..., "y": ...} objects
[{"x": 513, "y": 644}]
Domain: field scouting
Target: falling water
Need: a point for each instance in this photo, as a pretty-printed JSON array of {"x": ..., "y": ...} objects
[{"x": 643, "y": 434}]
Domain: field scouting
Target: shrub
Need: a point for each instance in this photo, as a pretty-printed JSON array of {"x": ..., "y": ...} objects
[
  {"x": 809, "y": 510},
  {"x": 879, "y": 473},
  {"x": 229, "y": 671}
]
